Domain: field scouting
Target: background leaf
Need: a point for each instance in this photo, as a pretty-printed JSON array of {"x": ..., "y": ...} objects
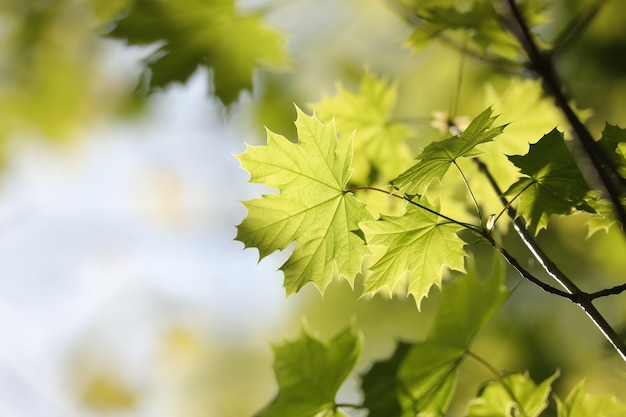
[
  {"x": 309, "y": 373},
  {"x": 580, "y": 404},
  {"x": 515, "y": 394},
  {"x": 194, "y": 33},
  {"x": 379, "y": 147}
]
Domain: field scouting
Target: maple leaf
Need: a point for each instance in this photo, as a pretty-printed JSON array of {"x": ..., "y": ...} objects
[
  {"x": 197, "y": 33},
  {"x": 613, "y": 141},
  {"x": 552, "y": 185},
  {"x": 311, "y": 209},
  {"x": 419, "y": 243},
  {"x": 309, "y": 374},
  {"x": 421, "y": 377},
  {"x": 580, "y": 404},
  {"x": 515, "y": 394},
  {"x": 436, "y": 158},
  {"x": 379, "y": 142}
]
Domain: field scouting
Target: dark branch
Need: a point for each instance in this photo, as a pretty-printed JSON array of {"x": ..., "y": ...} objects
[
  {"x": 615, "y": 186},
  {"x": 583, "y": 299},
  {"x": 524, "y": 272},
  {"x": 609, "y": 291}
]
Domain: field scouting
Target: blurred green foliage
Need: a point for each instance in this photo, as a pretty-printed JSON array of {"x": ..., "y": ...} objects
[{"x": 52, "y": 85}]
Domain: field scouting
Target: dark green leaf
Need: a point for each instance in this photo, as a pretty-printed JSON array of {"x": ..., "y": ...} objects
[
  {"x": 553, "y": 184},
  {"x": 381, "y": 385}
]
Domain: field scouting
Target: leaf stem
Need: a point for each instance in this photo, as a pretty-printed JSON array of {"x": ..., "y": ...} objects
[
  {"x": 415, "y": 203},
  {"x": 508, "y": 204},
  {"x": 469, "y": 190},
  {"x": 579, "y": 297}
]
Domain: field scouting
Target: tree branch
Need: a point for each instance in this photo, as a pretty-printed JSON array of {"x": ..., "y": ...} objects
[
  {"x": 576, "y": 295},
  {"x": 618, "y": 289},
  {"x": 511, "y": 18}
]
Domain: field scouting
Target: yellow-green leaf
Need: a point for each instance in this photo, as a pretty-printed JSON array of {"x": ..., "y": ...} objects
[
  {"x": 419, "y": 243},
  {"x": 312, "y": 208}
]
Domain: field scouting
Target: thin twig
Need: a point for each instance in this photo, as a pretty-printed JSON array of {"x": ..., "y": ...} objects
[
  {"x": 526, "y": 274},
  {"x": 618, "y": 289},
  {"x": 415, "y": 203}
]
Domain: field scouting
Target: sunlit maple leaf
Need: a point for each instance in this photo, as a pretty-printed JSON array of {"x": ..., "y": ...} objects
[
  {"x": 312, "y": 207},
  {"x": 436, "y": 158},
  {"x": 309, "y": 373},
  {"x": 418, "y": 245},
  {"x": 194, "y": 33},
  {"x": 552, "y": 182}
]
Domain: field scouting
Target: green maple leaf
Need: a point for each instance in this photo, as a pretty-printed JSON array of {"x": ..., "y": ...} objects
[
  {"x": 419, "y": 243},
  {"x": 613, "y": 141},
  {"x": 580, "y": 404},
  {"x": 515, "y": 394},
  {"x": 552, "y": 185},
  {"x": 436, "y": 158},
  {"x": 381, "y": 385},
  {"x": 309, "y": 374},
  {"x": 421, "y": 378},
  {"x": 311, "y": 209},
  {"x": 197, "y": 33},
  {"x": 379, "y": 142}
]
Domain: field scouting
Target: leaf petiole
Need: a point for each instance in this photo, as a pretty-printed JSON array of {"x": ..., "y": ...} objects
[
  {"x": 508, "y": 204},
  {"x": 469, "y": 190},
  {"x": 415, "y": 203}
]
